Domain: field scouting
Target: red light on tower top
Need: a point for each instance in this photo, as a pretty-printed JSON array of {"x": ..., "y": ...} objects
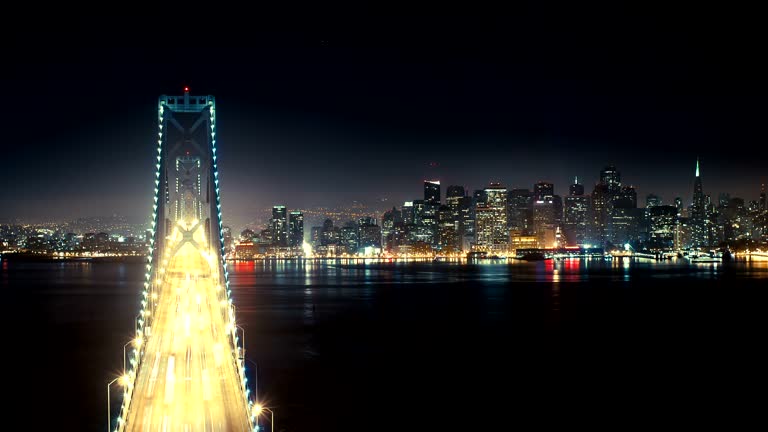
[{"x": 186, "y": 89}]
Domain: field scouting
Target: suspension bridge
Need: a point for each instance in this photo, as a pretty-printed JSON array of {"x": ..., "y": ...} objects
[{"x": 186, "y": 369}]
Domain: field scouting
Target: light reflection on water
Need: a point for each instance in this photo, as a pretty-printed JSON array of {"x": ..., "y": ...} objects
[
  {"x": 360, "y": 277},
  {"x": 312, "y": 292},
  {"x": 363, "y": 273}
]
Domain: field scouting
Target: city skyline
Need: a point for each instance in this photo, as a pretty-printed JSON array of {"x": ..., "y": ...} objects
[
  {"x": 332, "y": 114},
  {"x": 377, "y": 206},
  {"x": 491, "y": 220}
]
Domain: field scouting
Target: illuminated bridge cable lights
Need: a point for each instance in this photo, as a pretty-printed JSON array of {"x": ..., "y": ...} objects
[
  {"x": 130, "y": 376},
  {"x": 236, "y": 343}
]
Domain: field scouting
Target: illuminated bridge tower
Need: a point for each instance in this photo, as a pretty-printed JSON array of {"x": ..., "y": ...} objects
[
  {"x": 187, "y": 368},
  {"x": 188, "y": 182}
]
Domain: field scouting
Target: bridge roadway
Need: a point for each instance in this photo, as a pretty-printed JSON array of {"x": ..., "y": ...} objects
[{"x": 188, "y": 379}]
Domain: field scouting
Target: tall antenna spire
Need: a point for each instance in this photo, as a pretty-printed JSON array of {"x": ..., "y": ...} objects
[
  {"x": 576, "y": 180},
  {"x": 697, "y": 166}
]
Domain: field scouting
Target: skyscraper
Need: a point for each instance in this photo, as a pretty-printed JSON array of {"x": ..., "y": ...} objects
[
  {"x": 478, "y": 197},
  {"x": 576, "y": 188},
  {"x": 698, "y": 206},
  {"x": 491, "y": 232},
  {"x": 699, "y": 222},
  {"x": 611, "y": 177},
  {"x": 544, "y": 225},
  {"x": 576, "y": 205},
  {"x": 296, "y": 229},
  {"x": 520, "y": 205},
  {"x": 460, "y": 207},
  {"x": 763, "y": 204},
  {"x": 613, "y": 214},
  {"x": 652, "y": 200},
  {"x": 541, "y": 190},
  {"x": 419, "y": 211},
  {"x": 624, "y": 218},
  {"x": 545, "y": 213},
  {"x": 279, "y": 225},
  {"x": 432, "y": 192},
  {"x": 409, "y": 213},
  {"x": 679, "y": 205},
  {"x": 391, "y": 229},
  {"x": 663, "y": 227},
  {"x": 349, "y": 238},
  {"x": 600, "y": 205},
  {"x": 329, "y": 234},
  {"x": 369, "y": 233},
  {"x": 454, "y": 192},
  {"x": 448, "y": 240}
]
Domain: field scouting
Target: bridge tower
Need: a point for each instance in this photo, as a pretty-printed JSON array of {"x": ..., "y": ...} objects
[{"x": 187, "y": 178}]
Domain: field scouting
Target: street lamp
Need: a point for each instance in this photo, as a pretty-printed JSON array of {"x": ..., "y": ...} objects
[
  {"x": 257, "y": 410},
  {"x": 124, "y": 347},
  {"x": 124, "y": 380},
  {"x": 255, "y": 377}
]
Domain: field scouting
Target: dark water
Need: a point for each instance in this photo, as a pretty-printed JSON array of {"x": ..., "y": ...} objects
[{"x": 422, "y": 346}]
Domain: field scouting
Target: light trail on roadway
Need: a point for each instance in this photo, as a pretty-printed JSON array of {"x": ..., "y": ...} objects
[{"x": 188, "y": 379}]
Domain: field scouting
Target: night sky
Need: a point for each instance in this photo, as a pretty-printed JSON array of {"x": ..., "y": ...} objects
[{"x": 324, "y": 113}]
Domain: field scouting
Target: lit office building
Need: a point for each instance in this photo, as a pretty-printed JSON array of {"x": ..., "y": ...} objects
[
  {"x": 519, "y": 210},
  {"x": 409, "y": 213},
  {"x": 545, "y": 209},
  {"x": 699, "y": 219},
  {"x": 652, "y": 201},
  {"x": 460, "y": 206},
  {"x": 349, "y": 238},
  {"x": 491, "y": 232},
  {"x": 541, "y": 190},
  {"x": 448, "y": 238},
  {"x": 576, "y": 207},
  {"x": 624, "y": 217},
  {"x": 663, "y": 228},
  {"x": 610, "y": 177},
  {"x": 296, "y": 229},
  {"x": 369, "y": 233},
  {"x": 279, "y": 225},
  {"x": 419, "y": 211},
  {"x": 432, "y": 192}
]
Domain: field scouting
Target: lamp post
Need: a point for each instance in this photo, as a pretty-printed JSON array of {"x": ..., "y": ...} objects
[
  {"x": 124, "y": 382},
  {"x": 124, "y": 355},
  {"x": 258, "y": 408},
  {"x": 255, "y": 378}
]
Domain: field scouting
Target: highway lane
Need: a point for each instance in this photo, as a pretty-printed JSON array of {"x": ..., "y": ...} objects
[{"x": 188, "y": 379}]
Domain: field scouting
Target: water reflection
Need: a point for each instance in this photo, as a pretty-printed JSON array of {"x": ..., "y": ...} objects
[{"x": 360, "y": 276}]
